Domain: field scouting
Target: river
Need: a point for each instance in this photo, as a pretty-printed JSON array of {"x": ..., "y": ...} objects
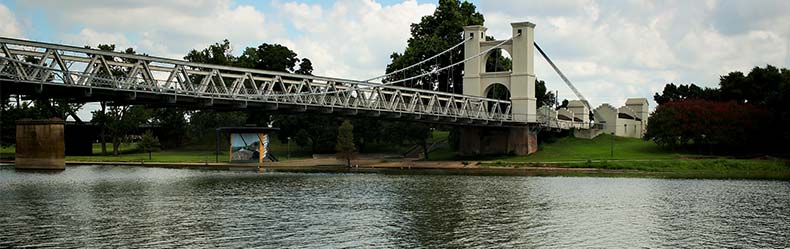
[{"x": 112, "y": 206}]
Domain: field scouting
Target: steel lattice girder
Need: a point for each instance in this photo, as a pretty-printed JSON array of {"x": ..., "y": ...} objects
[{"x": 96, "y": 69}]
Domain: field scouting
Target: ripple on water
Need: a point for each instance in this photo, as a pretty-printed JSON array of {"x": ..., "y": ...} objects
[{"x": 101, "y": 206}]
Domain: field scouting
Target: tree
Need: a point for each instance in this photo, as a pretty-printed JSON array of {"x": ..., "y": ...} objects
[
  {"x": 149, "y": 143},
  {"x": 496, "y": 61},
  {"x": 563, "y": 104},
  {"x": 272, "y": 57},
  {"x": 120, "y": 120},
  {"x": 419, "y": 133},
  {"x": 432, "y": 35},
  {"x": 217, "y": 54},
  {"x": 367, "y": 131},
  {"x": 672, "y": 92},
  {"x": 542, "y": 95},
  {"x": 203, "y": 124},
  {"x": 305, "y": 67},
  {"x": 101, "y": 120},
  {"x": 398, "y": 132},
  {"x": 101, "y": 117},
  {"x": 345, "y": 142},
  {"x": 316, "y": 131},
  {"x": 766, "y": 89},
  {"x": 725, "y": 125},
  {"x": 173, "y": 126},
  {"x": 10, "y": 113}
]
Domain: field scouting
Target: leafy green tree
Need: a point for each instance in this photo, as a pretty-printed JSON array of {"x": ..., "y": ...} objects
[
  {"x": 10, "y": 113},
  {"x": 173, "y": 125},
  {"x": 120, "y": 121},
  {"x": 726, "y": 125},
  {"x": 272, "y": 57},
  {"x": 149, "y": 143},
  {"x": 432, "y": 35},
  {"x": 542, "y": 95},
  {"x": 217, "y": 54},
  {"x": 345, "y": 147},
  {"x": 367, "y": 131},
  {"x": 117, "y": 71},
  {"x": 414, "y": 133},
  {"x": 672, "y": 92},
  {"x": 317, "y": 131},
  {"x": 563, "y": 104},
  {"x": 498, "y": 91},
  {"x": 761, "y": 87},
  {"x": 203, "y": 124},
  {"x": 762, "y": 98},
  {"x": 305, "y": 67},
  {"x": 496, "y": 60}
]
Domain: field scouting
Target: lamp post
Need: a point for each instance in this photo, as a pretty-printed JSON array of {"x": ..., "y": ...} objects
[{"x": 288, "y": 156}]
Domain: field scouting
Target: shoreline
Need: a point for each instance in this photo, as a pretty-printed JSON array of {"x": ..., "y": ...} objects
[{"x": 570, "y": 168}]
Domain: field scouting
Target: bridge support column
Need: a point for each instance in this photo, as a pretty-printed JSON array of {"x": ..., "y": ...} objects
[
  {"x": 497, "y": 141},
  {"x": 40, "y": 144}
]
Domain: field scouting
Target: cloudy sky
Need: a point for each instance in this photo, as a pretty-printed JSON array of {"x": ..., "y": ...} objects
[{"x": 611, "y": 50}]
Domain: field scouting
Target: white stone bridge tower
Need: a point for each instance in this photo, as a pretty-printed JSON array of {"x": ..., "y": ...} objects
[{"x": 520, "y": 80}]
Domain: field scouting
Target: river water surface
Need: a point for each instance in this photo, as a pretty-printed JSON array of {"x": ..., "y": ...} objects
[{"x": 106, "y": 206}]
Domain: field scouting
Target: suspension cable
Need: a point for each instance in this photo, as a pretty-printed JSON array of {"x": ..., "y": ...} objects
[
  {"x": 418, "y": 63},
  {"x": 353, "y": 88},
  {"x": 454, "y": 64}
]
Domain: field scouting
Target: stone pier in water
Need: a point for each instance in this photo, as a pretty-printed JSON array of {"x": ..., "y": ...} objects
[
  {"x": 497, "y": 141},
  {"x": 40, "y": 144}
]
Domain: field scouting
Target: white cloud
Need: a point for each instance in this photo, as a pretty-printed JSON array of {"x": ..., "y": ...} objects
[
  {"x": 351, "y": 38},
  {"x": 163, "y": 28},
  {"x": 617, "y": 49},
  {"x": 610, "y": 49},
  {"x": 9, "y": 27},
  {"x": 93, "y": 38}
]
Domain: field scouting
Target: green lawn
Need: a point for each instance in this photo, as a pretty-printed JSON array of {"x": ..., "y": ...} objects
[
  {"x": 205, "y": 152},
  {"x": 191, "y": 153},
  {"x": 633, "y": 154},
  {"x": 7, "y": 152},
  {"x": 599, "y": 148},
  {"x": 578, "y": 149}
]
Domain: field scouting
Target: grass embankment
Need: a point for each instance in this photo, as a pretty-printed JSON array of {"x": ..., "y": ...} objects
[
  {"x": 205, "y": 152},
  {"x": 187, "y": 154},
  {"x": 129, "y": 152},
  {"x": 645, "y": 156}
]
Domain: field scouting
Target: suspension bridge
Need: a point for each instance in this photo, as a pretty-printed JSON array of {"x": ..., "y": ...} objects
[{"x": 489, "y": 125}]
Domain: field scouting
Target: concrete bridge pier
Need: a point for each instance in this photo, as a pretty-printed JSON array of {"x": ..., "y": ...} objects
[
  {"x": 497, "y": 141},
  {"x": 40, "y": 144}
]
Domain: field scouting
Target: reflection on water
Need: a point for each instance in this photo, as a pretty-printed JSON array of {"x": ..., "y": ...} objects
[{"x": 102, "y": 206}]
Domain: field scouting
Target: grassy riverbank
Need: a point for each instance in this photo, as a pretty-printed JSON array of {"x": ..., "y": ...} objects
[
  {"x": 603, "y": 147},
  {"x": 205, "y": 152},
  {"x": 643, "y": 156},
  {"x": 632, "y": 158}
]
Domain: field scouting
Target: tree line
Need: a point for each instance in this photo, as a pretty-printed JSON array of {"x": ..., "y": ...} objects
[
  {"x": 177, "y": 127},
  {"x": 745, "y": 114}
]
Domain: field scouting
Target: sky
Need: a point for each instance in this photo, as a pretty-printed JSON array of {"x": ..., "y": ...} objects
[{"x": 610, "y": 50}]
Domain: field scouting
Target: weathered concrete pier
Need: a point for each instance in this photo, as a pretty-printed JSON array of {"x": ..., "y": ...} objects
[{"x": 40, "y": 144}]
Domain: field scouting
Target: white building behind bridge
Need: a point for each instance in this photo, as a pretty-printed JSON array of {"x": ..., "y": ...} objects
[{"x": 630, "y": 120}]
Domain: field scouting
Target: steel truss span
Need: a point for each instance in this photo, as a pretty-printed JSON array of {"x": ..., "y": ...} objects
[{"x": 153, "y": 80}]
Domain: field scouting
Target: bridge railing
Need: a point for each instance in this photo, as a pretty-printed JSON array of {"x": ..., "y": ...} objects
[{"x": 44, "y": 63}]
